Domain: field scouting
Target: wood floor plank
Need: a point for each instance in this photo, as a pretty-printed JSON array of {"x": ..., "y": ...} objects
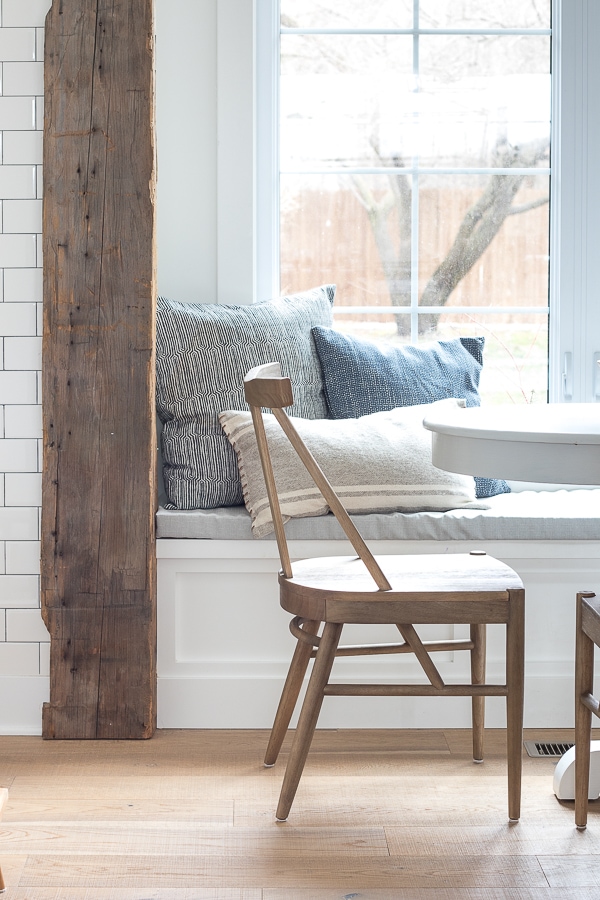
[
  {"x": 459, "y": 739},
  {"x": 566, "y": 873},
  {"x": 518, "y": 893},
  {"x": 119, "y": 872},
  {"x": 136, "y": 787},
  {"x": 12, "y": 869},
  {"x": 376, "y": 740},
  {"x": 85, "y": 893},
  {"x": 174, "y": 752},
  {"x": 165, "y": 839},
  {"x": 416, "y": 801},
  {"x": 522, "y": 839},
  {"x": 43, "y": 809}
]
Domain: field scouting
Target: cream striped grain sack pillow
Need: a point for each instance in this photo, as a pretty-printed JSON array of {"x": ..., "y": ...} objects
[{"x": 376, "y": 463}]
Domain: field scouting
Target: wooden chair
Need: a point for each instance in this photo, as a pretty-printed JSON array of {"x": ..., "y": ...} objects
[
  {"x": 587, "y": 636},
  {"x": 434, "y": 588}
]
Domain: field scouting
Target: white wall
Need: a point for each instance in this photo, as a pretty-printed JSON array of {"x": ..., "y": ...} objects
[
  {"x": 23, "y": 638},
  {"x": 205, "y": 135},
  {"x": 186, "y": 111},
  {"x": 200, "y": 257}
]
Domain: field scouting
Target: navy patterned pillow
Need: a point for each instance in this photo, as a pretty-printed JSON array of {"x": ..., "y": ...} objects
[
  {"x": 362, "y": 377},
  {"x": 203, "y": 352}
]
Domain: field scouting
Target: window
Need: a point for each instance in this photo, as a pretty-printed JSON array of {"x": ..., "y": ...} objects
[{"x": 414, "y": 155}]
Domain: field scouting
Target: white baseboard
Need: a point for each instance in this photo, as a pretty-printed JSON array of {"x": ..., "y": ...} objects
[
  {"x": 251, "y": 703},
  {"x": 22, "y": 700}
]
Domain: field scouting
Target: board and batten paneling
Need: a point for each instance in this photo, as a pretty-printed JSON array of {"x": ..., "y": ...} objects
[{"x": 98, "y": 560}]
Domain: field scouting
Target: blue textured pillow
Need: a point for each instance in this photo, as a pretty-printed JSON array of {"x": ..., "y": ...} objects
[
  {"x": 203, "y": 352},
  {"x": 361, "y": 377}
]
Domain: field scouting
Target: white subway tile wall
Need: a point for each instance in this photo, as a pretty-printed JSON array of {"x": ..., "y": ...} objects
[{"x": 23, "y": 636}]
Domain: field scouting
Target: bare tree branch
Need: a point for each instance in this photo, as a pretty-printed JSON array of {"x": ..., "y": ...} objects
[{"x": 525, "y": 207}]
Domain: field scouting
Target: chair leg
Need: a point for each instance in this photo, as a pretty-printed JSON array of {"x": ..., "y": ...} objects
[
  {"x": 584, "y": 684},
  {"x": 308, "y": 716},
  {"x": 2, "y": 885},
  {"x": 289, "y": 695},
  {"x": 515, "y": 671},
  {"x": 478, "y": 636}
]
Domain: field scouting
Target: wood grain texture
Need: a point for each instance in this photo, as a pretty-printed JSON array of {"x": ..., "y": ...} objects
[
  {"x": 464, "y": 893},
  {"x": 385, "y": 815},
  {"x": 84, "y": 893},
  {"x": 98, "y": 561},
  {"x": 3, "y": 801},
  {"x": 188, "y": 839},
  {"x": 587, "y": 634},
  {"x": 282, "y": 871}
]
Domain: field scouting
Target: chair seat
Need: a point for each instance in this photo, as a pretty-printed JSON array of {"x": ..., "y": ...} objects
[{"x": 426, "y": 588}]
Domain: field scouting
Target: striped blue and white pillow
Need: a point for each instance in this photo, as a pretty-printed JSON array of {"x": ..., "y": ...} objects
[
  {"x": 203, "y": 353},
  {"x": 376, "y": 464}
]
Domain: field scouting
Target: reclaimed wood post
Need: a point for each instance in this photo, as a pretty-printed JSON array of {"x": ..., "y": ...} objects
[{"x": 98, "y": 554}]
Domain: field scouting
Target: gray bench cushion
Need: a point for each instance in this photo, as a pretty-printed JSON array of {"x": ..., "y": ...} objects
[{"x": 561, "y": 515}]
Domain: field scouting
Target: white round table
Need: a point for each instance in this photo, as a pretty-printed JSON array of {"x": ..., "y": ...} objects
[{"x": 558, "y": 443}]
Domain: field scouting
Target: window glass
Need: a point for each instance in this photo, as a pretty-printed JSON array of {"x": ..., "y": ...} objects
[
  {"x": 326, "y": 236},
  {"x": 483, "y": 240},
  {"x": 345, "y": 100},
  {"x": 483, "y": 100},
  {"x": 346, "y": 14},
  {"x": 484, "y": 13},
  {"x": 415, "y": 175}
]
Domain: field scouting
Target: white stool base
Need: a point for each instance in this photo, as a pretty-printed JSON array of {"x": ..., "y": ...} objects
[{"x": 564, "y": 774}]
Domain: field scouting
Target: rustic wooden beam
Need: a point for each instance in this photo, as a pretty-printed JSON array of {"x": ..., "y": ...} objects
[{"x": 98, "y": 556}]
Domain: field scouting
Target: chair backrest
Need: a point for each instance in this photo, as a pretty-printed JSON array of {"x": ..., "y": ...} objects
[{"x": 264, "y": 386}]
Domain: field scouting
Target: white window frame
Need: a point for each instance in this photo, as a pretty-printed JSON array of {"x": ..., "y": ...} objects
[
  {"x": 574, "y": 375},
  {"x": 575, "y": 213}
]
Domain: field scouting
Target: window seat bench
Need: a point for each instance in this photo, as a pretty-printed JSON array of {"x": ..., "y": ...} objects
[
  {"x": 224, "y": 644},
  {"x": 520, "y": 515}
]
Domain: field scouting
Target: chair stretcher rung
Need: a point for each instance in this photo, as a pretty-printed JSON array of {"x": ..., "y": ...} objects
[
  {"x": 376, "y": 649},
  {"x": 592, "y": 704},
  {"x": 415, "y": 690}
]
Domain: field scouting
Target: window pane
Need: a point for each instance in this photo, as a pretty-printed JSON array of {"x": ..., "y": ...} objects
[
  {"x": 326, "y": 236},
  {"x": 347, "y": 13},
  {"x": 515, "y": 358},
  {"x": 349, "y": 101},
  {"x": 483, "y": 240},
  {"x": 345, "y": 100},
  {"x": 484, "y": 101},
  {"x": 400, "y": 242},
  {"x": 484, "y": 13}
]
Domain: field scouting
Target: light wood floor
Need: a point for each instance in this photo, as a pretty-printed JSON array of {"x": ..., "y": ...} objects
[{"x": 379, "y": 815}]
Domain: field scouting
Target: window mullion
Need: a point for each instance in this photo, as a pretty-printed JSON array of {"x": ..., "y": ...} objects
[{"x": 414, "y": 212}]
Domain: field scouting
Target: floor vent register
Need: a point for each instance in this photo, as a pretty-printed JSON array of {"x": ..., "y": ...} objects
[{"x": 547, "y": 748}]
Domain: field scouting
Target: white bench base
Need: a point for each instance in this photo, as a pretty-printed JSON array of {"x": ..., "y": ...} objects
[{"x": 224, "y": 644}]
